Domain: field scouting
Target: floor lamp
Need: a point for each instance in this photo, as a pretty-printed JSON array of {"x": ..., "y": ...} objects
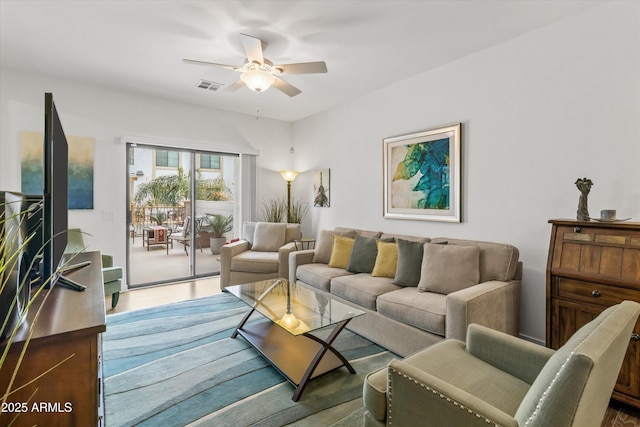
[{"x": 289, "y": 176}]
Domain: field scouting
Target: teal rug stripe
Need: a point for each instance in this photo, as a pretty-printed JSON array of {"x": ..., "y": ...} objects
[{"x": 176, "y": 365}]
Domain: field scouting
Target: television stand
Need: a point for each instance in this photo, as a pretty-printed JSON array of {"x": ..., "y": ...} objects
[{"x": 61, "y": 367}]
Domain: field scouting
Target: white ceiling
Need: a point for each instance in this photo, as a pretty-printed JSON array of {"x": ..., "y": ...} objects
[{"x": 138, "y": 45}]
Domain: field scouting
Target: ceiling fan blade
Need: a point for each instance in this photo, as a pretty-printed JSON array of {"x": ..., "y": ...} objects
[
  {"x": 213, "y": 64},
  {"x": 302, "y": 68},
  {"x": 234, "y": 87},
  {"x": 285, "y": 87},
  {"x": 253, "y": 48}
]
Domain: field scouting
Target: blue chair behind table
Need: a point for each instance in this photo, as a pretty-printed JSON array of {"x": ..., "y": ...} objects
[{"x": 111, "y": 276}]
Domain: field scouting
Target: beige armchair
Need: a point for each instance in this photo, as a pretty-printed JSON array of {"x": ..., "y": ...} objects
[
  {"x": 497, "y": 379},
  {"x": 262, "y": 253}
]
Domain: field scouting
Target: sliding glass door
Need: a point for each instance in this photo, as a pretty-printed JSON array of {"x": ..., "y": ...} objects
[{"x": 177, "y": 198}]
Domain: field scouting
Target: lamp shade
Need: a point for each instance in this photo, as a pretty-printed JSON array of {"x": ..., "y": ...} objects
[
  {"x": 289, "y": 175},
  {"x": 257, "y": 80}
]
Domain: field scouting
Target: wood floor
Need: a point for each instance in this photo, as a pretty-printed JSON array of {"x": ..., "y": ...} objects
[
  {"x": 164, "y": 294},
  {"x": 618, "y": 414}
]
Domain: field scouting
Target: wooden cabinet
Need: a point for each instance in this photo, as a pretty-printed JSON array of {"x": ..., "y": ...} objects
[
  {"x": 63, "y": 356},
  {"x": 591, "y": 266}
]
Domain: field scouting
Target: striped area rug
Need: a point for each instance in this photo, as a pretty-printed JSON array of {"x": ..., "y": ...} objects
[{"x": 176, "y": 365}]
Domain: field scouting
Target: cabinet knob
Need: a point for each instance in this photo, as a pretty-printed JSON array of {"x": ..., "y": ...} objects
[
  {"x": 635, "y": 337},
  {"x": 595, "y": 294},
  {"x": 577, "y": 229}
]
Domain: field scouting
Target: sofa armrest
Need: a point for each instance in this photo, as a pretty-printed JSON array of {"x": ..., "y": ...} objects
[
  {"x": 283, "y": 259},
  {"x": 416, "y": 397},
  {"x": 517, "y": 357},
  {"x": 297, "y": 258},
  {"x": 227, "y": 252},
  {"x": 495, "y": 304}
]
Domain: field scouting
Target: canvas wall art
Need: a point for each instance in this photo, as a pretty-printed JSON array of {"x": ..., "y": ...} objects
[
  {"x": 422, "y": 175},
  {"x": 321, "y": 188},
  {"x": 81, "y": 158}
]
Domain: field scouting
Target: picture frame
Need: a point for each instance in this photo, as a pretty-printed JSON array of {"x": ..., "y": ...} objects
[
  {"x": 322, "y": 188},
  {"x": 422, "y": 175}
]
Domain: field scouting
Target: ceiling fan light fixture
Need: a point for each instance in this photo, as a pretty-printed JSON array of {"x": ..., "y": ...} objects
[{"x": 257, "y": 80}]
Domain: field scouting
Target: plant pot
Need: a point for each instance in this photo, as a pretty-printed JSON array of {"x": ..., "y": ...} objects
[{"x": 216, "y": 243}]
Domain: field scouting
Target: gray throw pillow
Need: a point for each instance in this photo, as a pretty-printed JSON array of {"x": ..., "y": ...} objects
[
  {"x": 269, "y": 236},
  {"x": 363, "y": 255},
  {"x": 449, "y": 268}
]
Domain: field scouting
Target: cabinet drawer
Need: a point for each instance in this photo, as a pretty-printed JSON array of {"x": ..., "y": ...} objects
[{"x": 595, "y": 293}]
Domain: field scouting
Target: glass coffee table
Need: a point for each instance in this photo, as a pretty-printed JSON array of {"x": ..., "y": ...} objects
[{"x": 286, "y": 330}]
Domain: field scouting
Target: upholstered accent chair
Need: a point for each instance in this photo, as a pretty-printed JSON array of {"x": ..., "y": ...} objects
[
  {"x": 262, "y": 253},
  {"x": 500, "y": 380},
  {"x": 111, "y": 275}
]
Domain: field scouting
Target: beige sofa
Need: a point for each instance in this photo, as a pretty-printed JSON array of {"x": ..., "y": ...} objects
[
  {"x": 262, "y": 253},
  {"x": 435, "y": 289}
]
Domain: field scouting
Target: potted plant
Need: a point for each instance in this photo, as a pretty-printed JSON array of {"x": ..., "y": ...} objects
[{"x": 218, "y": 226}]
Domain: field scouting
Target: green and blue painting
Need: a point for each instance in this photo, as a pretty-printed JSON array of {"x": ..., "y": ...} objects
[
  {"x": 81, "y": 157},
  {"x": 422, "y": 176}
]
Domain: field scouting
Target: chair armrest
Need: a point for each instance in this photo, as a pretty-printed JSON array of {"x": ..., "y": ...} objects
[
  {"x": 517, "y": 357},
  {"x": 283, "y": 259},
  {"x": 495, "y": 304},
  {"x": 297, "y": 258},
  {"x": 107, "y": 260},
  {"x": 418, "y": 398},
  {"x": 227, "y": 252}
]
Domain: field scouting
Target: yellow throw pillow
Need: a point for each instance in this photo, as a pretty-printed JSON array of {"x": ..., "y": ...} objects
[
  {"x": 386, "y": 261},
  {"x": 341, "y": 251}
]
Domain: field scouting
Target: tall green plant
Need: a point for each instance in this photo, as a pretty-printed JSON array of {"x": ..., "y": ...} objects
[{"x": 274, "y": 210}]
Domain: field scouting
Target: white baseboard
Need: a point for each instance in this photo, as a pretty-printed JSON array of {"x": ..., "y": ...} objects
[{"x": 532, "y": 339}]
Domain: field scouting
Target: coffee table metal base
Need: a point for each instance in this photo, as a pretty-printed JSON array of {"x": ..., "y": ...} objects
[{"x": 299, "y": 358}]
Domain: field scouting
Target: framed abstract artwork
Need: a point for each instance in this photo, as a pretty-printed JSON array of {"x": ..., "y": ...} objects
[
  {"x": 421, "y": 175},
  {"x": 321, "y": 188}
]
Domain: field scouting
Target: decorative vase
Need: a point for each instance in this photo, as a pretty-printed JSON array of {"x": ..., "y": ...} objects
[{"x": 216, "y": 243}]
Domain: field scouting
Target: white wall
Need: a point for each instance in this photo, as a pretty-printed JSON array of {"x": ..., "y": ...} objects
[
  {"x": 107, "y": 115},
  {"x": 538, "y": 112}
]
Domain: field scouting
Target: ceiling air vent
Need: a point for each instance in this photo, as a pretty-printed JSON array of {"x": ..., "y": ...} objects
[{"x": 205, "y": 84}]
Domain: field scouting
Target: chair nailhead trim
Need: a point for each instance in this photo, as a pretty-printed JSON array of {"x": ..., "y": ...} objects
[{"x": 434, "y": 391}]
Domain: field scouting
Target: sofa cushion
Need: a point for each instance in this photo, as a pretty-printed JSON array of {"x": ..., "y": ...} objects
[
  {"x": 324, "y": 244},
  {"x": 424, "y": 310},
  {"x": 386, "y": 260},
  {"x": 319, "y": 275},
  {"x": 363, "y": 255},
  {"x": 248, "y": 231},
  {"x": 448, "y": 268},
  {"x": 341, "y": 251},
  {"x": 397, "y": 237},
  {"x": 293, "y": 232},
  {"x": 269, "y": 236},
  {"x": 361, "y": 288},
  {"x": 498, "y": 261},
  {"x": 255, "y": 262}
]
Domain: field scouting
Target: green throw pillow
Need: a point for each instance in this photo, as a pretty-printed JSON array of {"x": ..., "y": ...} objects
[
  {"x": 409, "y": 263},
  {"x": 363, "y": 255}
]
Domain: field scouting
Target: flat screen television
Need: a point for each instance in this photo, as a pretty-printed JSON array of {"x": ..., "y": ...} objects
[{"x": 55, "y": 205}]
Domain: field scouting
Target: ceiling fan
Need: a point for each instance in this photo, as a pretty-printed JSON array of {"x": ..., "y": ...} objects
[{"x": 259, "y": 74}]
